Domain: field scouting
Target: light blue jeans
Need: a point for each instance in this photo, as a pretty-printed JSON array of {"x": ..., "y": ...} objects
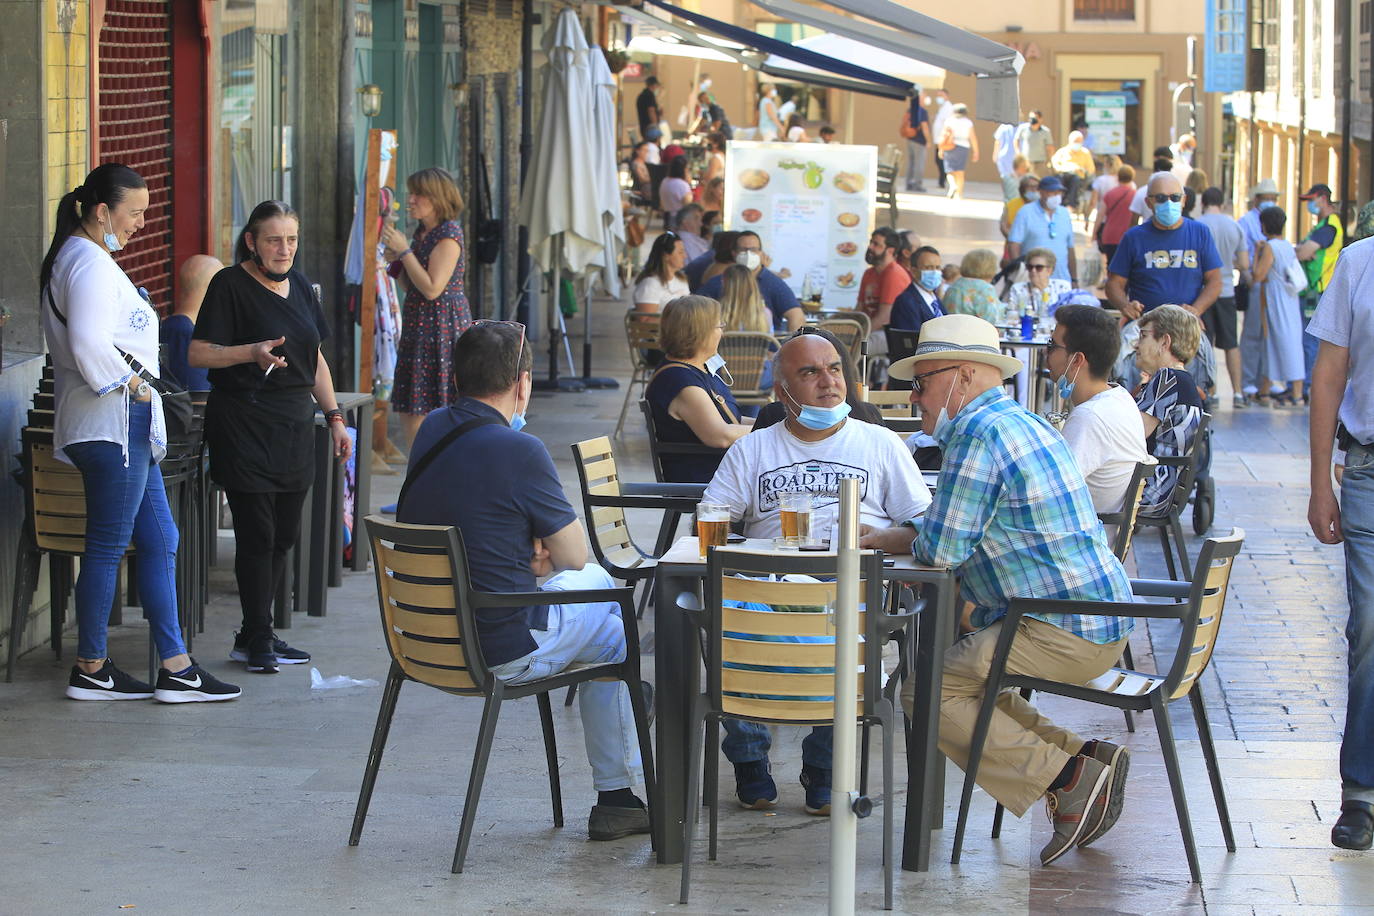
[
  {"x": 1357, "y": 523},
  {"x": 591, "y": 634}
]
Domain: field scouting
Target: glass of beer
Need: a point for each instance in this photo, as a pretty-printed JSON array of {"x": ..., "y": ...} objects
[
  {"x": 713, "y": 525},
  {"x": 795, "y": 512}
]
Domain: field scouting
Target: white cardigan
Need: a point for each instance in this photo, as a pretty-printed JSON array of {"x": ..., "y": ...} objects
[{"x": 103, "y": 311}]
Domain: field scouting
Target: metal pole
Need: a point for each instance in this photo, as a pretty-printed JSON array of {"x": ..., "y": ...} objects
[
  {"x": 844, "y": 822},
  {"x": 1347, "y": 90}
]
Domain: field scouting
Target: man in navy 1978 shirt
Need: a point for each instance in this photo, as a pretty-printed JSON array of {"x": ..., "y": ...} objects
[{"x": 1170, "y": 260}]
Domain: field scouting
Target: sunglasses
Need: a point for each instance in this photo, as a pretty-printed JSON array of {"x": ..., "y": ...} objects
[
  {"x": 918, "y": 381},
  {"x": 519, "y": 354},
  {"x": 1035, "y": 268},
  {"x": 1161, "y": 198}
]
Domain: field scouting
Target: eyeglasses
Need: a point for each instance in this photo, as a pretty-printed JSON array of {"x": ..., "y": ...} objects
[
  {"x": 1034, "y": 268},
  {"x": 918, "y": 381},
  {"x": 1161, "y": 198},
  {"x": 520, "y": 354},
  {"x": 1052, "y": 346}
]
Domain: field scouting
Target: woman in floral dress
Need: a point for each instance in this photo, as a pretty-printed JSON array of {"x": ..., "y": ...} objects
[{"x": 435, "y": 311}]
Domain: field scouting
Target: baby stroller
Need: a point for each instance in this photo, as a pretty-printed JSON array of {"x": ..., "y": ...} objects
[{"x": 1202, "y": 368}]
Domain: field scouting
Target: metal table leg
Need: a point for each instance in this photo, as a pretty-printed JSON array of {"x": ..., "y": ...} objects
[
  {"x": 362, "y": 500},
  {"x": 678, "y": 676}
]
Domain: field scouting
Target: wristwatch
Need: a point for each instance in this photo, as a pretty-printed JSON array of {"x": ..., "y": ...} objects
[{"x": 144, "y": 390}]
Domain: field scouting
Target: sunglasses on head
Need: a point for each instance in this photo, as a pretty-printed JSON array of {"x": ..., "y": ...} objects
[
  {"x": 520, "y": 354},
  {"x": 1161, "y": 198}
]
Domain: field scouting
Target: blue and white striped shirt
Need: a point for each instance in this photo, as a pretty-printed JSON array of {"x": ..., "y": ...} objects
[{"x": 1012, "y": 513}]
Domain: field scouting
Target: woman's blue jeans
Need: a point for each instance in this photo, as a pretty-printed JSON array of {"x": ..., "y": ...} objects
[{"x": 122, "y": 502}]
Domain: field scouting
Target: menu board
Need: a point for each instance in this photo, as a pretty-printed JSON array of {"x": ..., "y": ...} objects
[{"x": 812, "y": 206}]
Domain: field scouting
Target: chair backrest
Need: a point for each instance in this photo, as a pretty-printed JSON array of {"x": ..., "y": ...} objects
[
  {"x": 747, "y": 353},
  {"x": 1183, "y": 489},
  {"x": 641, "y": 333},
  {"x": 1202, "y": 623},
  {"x": 606, "y": 525},
  {"x": 659, "y": 448},
  {"x": 891, "y": 403},
  {"x": 790, "y": 644},
  {"x": 57, "y": 497},
  {"x": 1130, "y": 508},
  {"x": 424, "y": 596},
  {"x": 847, "y": 331},
  {"x": 901, "y": 343}
]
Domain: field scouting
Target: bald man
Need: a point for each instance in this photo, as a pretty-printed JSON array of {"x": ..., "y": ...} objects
[
  {"x": 1170, "y": 260},
  {"x": 810, "y": 452},
  {"x": 175, "y": 334}
]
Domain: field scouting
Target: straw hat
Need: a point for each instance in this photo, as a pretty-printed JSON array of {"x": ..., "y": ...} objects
[
  {"x": 1267, "y": 186},
  {"x": 965, "y": 338}
]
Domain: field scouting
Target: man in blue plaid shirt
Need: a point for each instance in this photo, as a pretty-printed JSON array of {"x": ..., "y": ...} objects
[{"x": 1012, "y": 513}]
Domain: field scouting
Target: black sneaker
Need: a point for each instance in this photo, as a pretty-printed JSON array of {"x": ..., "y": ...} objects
[
  {"x": 285, "y": 654},
  {"x": 195, "y": 686},
  {"x": 109, "y": 683}
]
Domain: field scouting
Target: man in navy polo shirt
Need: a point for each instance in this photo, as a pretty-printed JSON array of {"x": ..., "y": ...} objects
[
  {"x": 787, "y": 311},
  {"x": 498, "y": 486},
  {"x": 1170, "y": 260}
]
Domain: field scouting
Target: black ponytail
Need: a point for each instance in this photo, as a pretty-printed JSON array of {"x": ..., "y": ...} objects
[
  {"x": 268, "y": 209},
  {"x": 106, "y": 184}
]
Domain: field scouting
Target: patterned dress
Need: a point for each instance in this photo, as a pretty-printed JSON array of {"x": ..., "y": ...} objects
[{"x": 424, "y": 358}]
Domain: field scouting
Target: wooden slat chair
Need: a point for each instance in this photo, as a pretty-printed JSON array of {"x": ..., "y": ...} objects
[
  {"x": 848, "y": 331},
  {"x": 899, "y": 414},
  {"x": 1124, "y": 521},
  {"x": 1198, "y": 606},
  {"x": 1169, "y": 525},
  {"x": 739, "y": 641},
  {"x": 747, "y": 353},
  {"x": 428, "y": 609},
  {"x": 641, "y": 334}
]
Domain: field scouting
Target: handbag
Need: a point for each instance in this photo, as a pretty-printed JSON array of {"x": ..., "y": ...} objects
[
  {"x": 490, "y": 232},
  {"x": 1295, "y": 278},
  {"x": 907, "y": 130},
  {"x": 946, "y": 141},
  {"x": 177, "y": 410},
  {"x": 634, "y": 232}
]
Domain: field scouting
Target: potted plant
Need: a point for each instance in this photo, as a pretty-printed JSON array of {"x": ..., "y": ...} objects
[{"x": 617, "y": 60}]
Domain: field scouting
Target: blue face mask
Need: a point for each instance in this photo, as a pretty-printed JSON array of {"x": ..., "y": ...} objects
[
  {"x": 517, "y": 422},
  {"x": 1169, "y": 212},
  {"x": 819, "y": 418},
  {"x": 1313, "y": 208},
  {"x": 112, "y": 242},
  {"x": 930, "y": 280},
  {"x": 1065, "y": 385},
  {"x": 1265, "y": 204}
]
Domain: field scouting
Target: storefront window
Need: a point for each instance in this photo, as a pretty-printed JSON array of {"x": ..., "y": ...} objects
[{"x": 253, "y": 143}]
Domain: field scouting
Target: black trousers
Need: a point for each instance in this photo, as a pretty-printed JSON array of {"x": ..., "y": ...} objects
[
  {"x": 266, "y": 527},
  {"x": 940, "y": 166}
]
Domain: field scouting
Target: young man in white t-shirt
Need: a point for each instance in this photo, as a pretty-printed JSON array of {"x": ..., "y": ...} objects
[
  {"x": 1104, "y": 429},
  {"x": 809, "y": 452}
]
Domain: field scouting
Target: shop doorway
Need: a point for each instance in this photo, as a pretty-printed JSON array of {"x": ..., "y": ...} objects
[{"x": 1082, "y": 89}]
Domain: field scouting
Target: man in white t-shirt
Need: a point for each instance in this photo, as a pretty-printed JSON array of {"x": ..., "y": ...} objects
[
  {"x": 809, "y": 452},
  {"x": 1104, "y": 430}
]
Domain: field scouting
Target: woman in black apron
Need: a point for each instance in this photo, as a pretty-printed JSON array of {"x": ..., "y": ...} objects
[{"x": 259, "y": 334}]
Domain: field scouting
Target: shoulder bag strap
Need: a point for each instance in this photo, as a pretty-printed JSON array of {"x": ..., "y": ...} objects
[
  {"x": 710, "y": 392},
  {"x": 134, "y": 364},
  {"x": 434, "y": 450}
]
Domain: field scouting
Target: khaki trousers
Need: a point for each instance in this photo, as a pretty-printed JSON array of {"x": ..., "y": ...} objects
[{"x": 1024, "y": 751}]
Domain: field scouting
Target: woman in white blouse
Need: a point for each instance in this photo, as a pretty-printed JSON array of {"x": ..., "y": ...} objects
[
  {"x": 661, "y": 281},
  {"x": 108, "y": 422},
  {"x": 1035, "y": 295}
]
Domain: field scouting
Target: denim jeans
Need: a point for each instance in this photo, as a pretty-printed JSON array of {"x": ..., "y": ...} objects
[
  {"x": 1357, "y": 523},
  {"x": 124, "y": 501},
  {"x": 593, "y": 634},
  {"x": 1309, "y": 343},
  {"x": 746, "y": 742},
  {"x": 915, "y": 164}
]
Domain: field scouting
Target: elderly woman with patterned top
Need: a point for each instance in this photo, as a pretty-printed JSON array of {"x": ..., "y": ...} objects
[
  {"x": 1168, "y": 398},
  {"x": 259, "y": 334},
  {"x": 435, "y": 310},
  {"x": 661, "y": 281},
  {"x": 972, "y": 293},
  {"x": 108, "y": 422},
  {"x": 1034, "y": 295},
  {"x": 690, "y": 402}
]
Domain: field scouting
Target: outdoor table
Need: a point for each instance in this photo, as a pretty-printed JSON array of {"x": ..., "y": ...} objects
[
  {"x": 317, "y": 563},
  {"x": 677, "y": 667},
  {"x": 1031, "y": 352}
]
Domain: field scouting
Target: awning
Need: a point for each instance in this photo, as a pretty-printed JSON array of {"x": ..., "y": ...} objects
[
  {"x": 851, "y": 73},
  {"x": 905, "y": 32},
  {"x": 660, "y": 47},
  {"x": 838, "y": 46}
]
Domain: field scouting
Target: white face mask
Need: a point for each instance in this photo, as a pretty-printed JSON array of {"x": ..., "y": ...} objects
[
  {"x": 750, "y": 259},
  {"x": 944, "y": 417},
  {"x": 705, "y": 84},
  {"x": 1052, "y": 202}
]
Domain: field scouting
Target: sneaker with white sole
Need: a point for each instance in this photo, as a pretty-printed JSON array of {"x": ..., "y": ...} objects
[
  {"x": 286, "y": 655},
  {"x": 109, "y": 683},
  {"x": 1071, "y": 808},
  {"x": 194, "y": 686}
]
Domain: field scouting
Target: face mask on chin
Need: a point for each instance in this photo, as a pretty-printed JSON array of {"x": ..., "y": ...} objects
[
  {"x": 818, "y": 418},
  {"x": 944, "y": 418},
  {"x": 1065, "y": 385}
]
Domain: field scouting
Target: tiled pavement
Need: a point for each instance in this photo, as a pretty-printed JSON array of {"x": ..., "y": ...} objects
[{"x": 246, "y": 806}]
